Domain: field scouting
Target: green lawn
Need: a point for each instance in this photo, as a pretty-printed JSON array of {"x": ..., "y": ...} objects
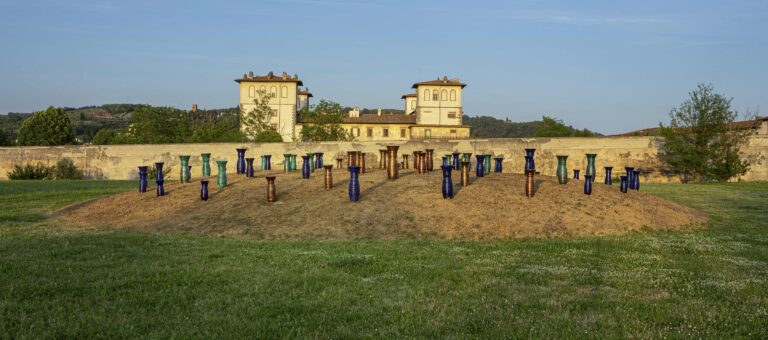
[{"x": 709, "y": 283}]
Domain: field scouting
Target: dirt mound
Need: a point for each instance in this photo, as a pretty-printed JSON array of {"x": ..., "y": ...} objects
[{"x": 412, "y": 206}]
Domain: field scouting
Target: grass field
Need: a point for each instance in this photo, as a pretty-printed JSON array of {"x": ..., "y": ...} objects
[{"x": 709, "y": 283}]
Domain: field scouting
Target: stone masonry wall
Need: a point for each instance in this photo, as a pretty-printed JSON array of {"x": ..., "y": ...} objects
[{"x": 119, "y": 162}]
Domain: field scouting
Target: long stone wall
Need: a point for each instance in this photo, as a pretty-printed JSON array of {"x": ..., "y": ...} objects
[{"x": 120, "y": 161}]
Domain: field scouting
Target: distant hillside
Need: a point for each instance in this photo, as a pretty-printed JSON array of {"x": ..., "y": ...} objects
[{"x": 490, "y": 127}]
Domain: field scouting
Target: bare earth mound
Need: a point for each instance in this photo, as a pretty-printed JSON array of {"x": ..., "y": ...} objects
[{"x": 412, "y": 206}]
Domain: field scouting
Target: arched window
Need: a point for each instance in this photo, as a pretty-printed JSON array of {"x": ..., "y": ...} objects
[
  {"x": 284, "y": 91},
  {"x": 435, "y": 95},
  {"x": 273, "y": 91},
  {"x": 444, "y": 95},
  {"x": 251, "y": 91},
  {"x": 426, "y": 95},
  {"x": 453, "y": 95},
  {"x": 263, "y": 89}
]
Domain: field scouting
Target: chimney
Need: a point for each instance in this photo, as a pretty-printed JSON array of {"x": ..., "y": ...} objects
[
  {"x": 378, "y": 113},
  {"x": 270, "y": 75},
  {"x": 250, "y": 74},
  {"x": 284, "y": 75},
  {"x": 354, "y": 113}
]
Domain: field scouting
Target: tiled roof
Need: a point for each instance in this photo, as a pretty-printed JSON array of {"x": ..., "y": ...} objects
[
  {"x": 442, "y": 82},
  {"x": 304, "y": 92},
  {"x": 409, "y": 95},
  {"x": 753, "y": 124},
  {"x": 270, "y": 77}
]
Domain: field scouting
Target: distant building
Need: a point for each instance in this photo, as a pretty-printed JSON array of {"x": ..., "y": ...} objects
[{"x": 434, "y": 111}]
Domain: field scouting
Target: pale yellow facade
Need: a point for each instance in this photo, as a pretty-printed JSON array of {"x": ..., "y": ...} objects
[
  {"x": 284, "y": 102},
  {"x": 434, "y": 111}
]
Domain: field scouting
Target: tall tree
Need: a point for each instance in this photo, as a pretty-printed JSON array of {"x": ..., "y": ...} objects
[
  {"x": 4, "y": 140},
  {"x": 256, "y": 121},
  {"x": 323, "y": 123},
  {"x": 49, "y": 127},
  {"x": 555, "y": 128},
  {"x": 701, "y": 139}
]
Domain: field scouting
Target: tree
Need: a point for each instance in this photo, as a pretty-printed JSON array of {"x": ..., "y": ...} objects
[
  {"x": 555, "y": 128},
  {"x": 105, "y": 137},
  {"x": 256, "y": 120},
  {"x": 4, "y": 140},
  {"x": 158, "y": 125},
  {"x": 323, "y": 123},
  {"x": 49, "y": 127},
  {"x": 701, "y": 139}
]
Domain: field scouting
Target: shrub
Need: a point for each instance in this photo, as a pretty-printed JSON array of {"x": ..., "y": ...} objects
[
  {"x": 268, "y": 136},
  {"x": 38, "y": 171},
  {"x": 105, "y": 137},
  {"x": 66, "y": 169}
]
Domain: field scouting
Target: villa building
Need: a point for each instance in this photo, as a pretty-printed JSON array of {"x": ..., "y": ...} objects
[{"x": 434, "y": 111}]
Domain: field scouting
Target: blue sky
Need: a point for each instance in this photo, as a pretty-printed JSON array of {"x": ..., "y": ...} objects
[{"x": 611, "y": 66}]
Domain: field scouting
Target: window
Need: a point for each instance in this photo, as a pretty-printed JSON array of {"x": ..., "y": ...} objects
[
  {"x": 355, "y": 132},
  {"x": 426, "y": 95},
  {"x": 273, "y": 91},
  {"x": 263, "y": 89},
  {"x": 451, "y": 114},
  {"x": 369, "y": 132},
  {"x": 385, "y": 132},
  {"x": 444, "y": 95},
  {"x": 453, "y": 95},
  {"x": 274, "y": 112},
  {"x": 402, "y": 133},
  {"x": 453, "y": 133},
  {"x": 427, "y": 133},
  {"x": 435, "y": 96},
  {"x": 251, "y": 91}
]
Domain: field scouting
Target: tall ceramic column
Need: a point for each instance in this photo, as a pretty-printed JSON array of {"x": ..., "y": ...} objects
[
  {"x": 286, "y": 162},
  {"x": 529, "y": 163},
  {"x": 293, "y": 162},
  {"x": 487, "y": 163},
  {"x": 447, "y": 181},
  {"x": 262, "y": 163},
  {"x": 608, "y": 171},
  {"x": 430, "y": 160},
  {"x": 562, "y": 169},
  {"x": 480, "y": 168},
  {"x": 206, "y": 167},
  {"x": 448, "y": 159},
  {"x": 464, "y": 173},
  {"x": 184, "y": 169},
  {"x": 318, "y": 160},
  {"x": 382, "y": 160},
  {"x": 529, "y": 182},
  {"x": 204, "y": 190},
  {"x": 422, "y": 162},
  {"x": 328, "y": 177},
  {"x": 576, "y": 174},
  {"x": 222, "y": 174},
  {"x": 240, "y": 161},
  {"x": 143, "y": 178},
  {"x": 456, "y": 161},
  {"x": 361, "y": 161},
  {"x": 530, "y": 153},
  {"x": 354, "y": 183},
  {"x": 630, "y": 180},
  {"x": 624, "y": 183},
  {"x": 339, "y": 162},
  {"x": 405, "y": 161},
  {"x": 351, "y": 158},
  {"x": 392, "y": 163},
  {"x": 305, "y": 167},
  {"x": 416, "y": 160},
  {"x": 636, "y": 178},
  {"x": 271, "y": 191},
  {"x": 588, "y": 184},
  {"x": 498, "y": 166},
  {"x": 268, "y": 162},
  {"x": 591, "y": 171},
  {"x": 159, "y": 175},
  {"x": 249, "y": 167}
]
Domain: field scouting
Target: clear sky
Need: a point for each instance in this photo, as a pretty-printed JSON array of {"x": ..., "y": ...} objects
[{"x": 610, "y": 66}]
